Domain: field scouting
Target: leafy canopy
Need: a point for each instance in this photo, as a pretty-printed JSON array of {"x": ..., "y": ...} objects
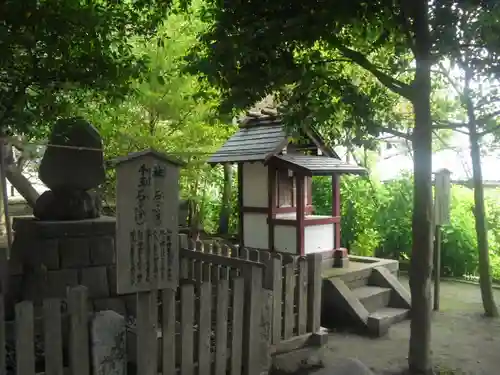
[
  {"x": 297, "y": 51},
  {"x": 163, "y": 110},
  {"x": 50, "y": 49},
  {"x": 471, "y": 68},
  {"x": 343, "y": 66}
]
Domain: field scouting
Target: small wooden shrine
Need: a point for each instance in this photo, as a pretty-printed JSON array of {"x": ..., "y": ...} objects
[{"x": 275, "y": 173}]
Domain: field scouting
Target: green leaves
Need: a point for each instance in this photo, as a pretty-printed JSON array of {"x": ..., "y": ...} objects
[
  {"x": 376, "y": 220},
  {"x": 166, "y": 110},
  {"x": 51, "y": 48}
]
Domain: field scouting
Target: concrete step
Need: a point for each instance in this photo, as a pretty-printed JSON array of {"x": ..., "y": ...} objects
[
  {"x": 380, "y": 320},
  {"x": 373, "y": 298}
]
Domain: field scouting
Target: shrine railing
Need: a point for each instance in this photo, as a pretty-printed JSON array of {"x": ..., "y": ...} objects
[{"x": 293, "y": 283}]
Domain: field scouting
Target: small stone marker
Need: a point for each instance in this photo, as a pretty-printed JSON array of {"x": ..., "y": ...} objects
[
  {"x": 147, "y": 204},
  {"x": 109, "y": 349}
]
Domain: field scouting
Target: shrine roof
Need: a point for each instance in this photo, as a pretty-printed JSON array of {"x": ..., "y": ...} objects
[
  {"x": 148, "y": 152},
  {"x": 316, "y": 165},
  {"x": 261, "y": 135}
]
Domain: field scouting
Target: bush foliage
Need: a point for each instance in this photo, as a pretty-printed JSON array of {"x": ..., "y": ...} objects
[{"x": 376, "y": 220}]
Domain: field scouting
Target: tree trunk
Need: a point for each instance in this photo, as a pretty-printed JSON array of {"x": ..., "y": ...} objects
[
  {"x": 13, "y": 173},
  {"x": 22, "y": 185},
  {"x": 419, "y": 356},
  {"x": 490, "y": 308},
  {"x": 225, "y": 212}
]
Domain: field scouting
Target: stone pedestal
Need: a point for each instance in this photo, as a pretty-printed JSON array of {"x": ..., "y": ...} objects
[{"x": 48, "y": 257}]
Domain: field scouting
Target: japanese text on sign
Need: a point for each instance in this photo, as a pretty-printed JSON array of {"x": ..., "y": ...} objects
[
  {"x": 150, "y": 248},
  {"x": 147, "y": 250}
]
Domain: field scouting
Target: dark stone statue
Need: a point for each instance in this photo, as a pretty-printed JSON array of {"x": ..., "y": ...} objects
[{"x": 72, "y": 167}]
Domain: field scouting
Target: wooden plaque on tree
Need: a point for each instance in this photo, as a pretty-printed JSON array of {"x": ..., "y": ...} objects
[{"x": 147, "y": 202}]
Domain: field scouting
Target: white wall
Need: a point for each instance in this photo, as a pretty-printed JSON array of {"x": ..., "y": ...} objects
[
  {"x": 255, "y": 185},
  {"x": 255, "y": 230},
  {"x": 285, "y": 238},
  {"x": 318, "y": 238}
]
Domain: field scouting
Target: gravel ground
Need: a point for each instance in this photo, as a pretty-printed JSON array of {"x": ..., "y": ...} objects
[{"x": 462, "y": 339}]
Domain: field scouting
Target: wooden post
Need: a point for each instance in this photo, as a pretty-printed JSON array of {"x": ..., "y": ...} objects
[
  {"x": 3, "y": 351},
  {"x": 187, "y": 328},
  {"x": 237, "y": 316},
  {"x": 252, "y": 314},
  {"x": 336, "y": 208},
  {"x": 314, "y": 292},
  {"x": 53, "y": 337},
  {"x": 241, "y": 215},
  {"x": 168, "y": 332},
  {"x": 5, "y": 196},
  {"x": 271, "y": 202},
  {"x": 277, "y": 288},
  {"x": 79, "y": 351},
  {"x": 300, "y": 213},
  {"x": 147, "y": 318},
  {"x": 147, "y": 245},
  {"x": 441, "y": 216},
  {"x": 25, "y": 340},
  {"x": 437, "y": 267}
]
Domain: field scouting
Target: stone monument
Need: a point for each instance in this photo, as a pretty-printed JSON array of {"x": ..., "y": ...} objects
[{"x": 72, "y": 167}]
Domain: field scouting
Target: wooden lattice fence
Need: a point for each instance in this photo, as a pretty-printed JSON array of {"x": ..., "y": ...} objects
[{"x": 294, "y": 282}]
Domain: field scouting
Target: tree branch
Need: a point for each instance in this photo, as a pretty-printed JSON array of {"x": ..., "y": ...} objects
[
  {"x": 444, "y": 143},
  {"x": 397, "y": 133},
  {"x": 451, "y": 125},
  {"x": 483, "y": 119},
  {"x": 392, "y": 84},
  {"x": 446, "y": 74},
  {"x": 445, "y": 124},
  {"x": 404, "y": 18},
  {"x": 489, "y": 131}
]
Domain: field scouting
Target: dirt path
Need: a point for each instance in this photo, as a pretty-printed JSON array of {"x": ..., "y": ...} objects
[{"x": 461, "y": 338}]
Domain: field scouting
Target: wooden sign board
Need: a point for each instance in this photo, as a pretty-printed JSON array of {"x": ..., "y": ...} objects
[
  {"x": 147, "y": 202},
  {"x": 442, "y": 197}
]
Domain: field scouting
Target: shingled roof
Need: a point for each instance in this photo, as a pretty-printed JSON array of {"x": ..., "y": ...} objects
[
  {"x": 261, "y": 135},
  {"x": 312, "y": 165}
]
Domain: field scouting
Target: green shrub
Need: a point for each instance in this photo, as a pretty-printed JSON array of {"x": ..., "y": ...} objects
[
  {"x": 394, "y": 218},
  {"x": 377, "y": 220},
  {"x": 459, "y": 254}
]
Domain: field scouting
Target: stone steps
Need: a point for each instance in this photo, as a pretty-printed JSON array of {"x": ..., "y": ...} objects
[
  {"x": 373, "y": 297},
  {"x": 376, "y": 301},
  {"x": 381, "y": 320},
  {"x": 373, "y": 302}
]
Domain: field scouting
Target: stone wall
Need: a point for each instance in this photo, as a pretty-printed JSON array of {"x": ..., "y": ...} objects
[{"x": 48, "y": 257}]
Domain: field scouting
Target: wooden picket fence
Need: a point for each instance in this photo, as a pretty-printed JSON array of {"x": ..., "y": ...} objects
[
  {"x": 204, "y": 328},
  {"x": 294, "y": 282},
  {"x": 207, "y": 327},
  {"x": 232, "y": 309},
  {"x": 31, "y": 345}
]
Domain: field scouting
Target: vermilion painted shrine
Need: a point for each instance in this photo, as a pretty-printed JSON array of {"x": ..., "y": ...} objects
[
  {"x": 276, "y": 214},
  {"x": 275, "y": 187}
]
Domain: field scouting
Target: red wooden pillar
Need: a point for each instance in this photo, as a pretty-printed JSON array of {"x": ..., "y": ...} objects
[
  {"x": 271, "y": 204},
  {"x": 336, "y": 207},
  {"x": 300, "y": 199}
]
